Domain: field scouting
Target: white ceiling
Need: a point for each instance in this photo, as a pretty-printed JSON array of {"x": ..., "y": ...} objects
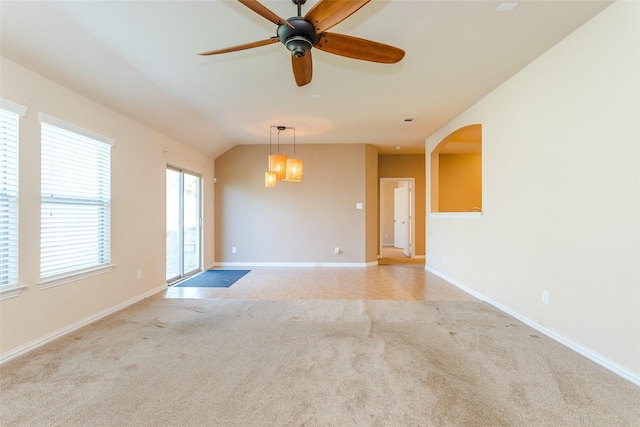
[{"x": 140, "y": 58}]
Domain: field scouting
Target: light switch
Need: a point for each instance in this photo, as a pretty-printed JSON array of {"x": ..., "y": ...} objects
[{"x": 358, "y": 205}]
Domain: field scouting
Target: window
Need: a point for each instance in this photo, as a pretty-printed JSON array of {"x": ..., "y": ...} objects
[
  {"x": 75, "y": 227},
  {"x": 9, "y": 146}
]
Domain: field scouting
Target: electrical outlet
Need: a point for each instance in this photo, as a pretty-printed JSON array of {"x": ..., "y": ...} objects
[
  {"x": 545, "y": 297},
  {"x": 336, "y": 250},
  {"x": 139, "y": 273},
  {"x": 233, "y": 250}
]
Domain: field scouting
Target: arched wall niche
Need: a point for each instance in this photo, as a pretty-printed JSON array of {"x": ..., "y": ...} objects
[{"x": 456, "y": 171}]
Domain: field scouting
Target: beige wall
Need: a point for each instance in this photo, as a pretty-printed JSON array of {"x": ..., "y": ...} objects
[
  {"x": 460, "y": 182},
  {"x": 561, "y": 194},
  {"x": 139, "y": 158},
  {"x": 372, "y": 225},
  {"x": 296, "y": 222},
  {"x": 409, "y": 166}
]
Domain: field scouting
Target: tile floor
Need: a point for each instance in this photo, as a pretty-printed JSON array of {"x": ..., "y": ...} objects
[
  {"x": 383, "y": 282},
  {"x": 392, "y": 252}
]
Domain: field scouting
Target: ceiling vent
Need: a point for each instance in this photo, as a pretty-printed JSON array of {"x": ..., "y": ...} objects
[{"x": 507, "y": 7}]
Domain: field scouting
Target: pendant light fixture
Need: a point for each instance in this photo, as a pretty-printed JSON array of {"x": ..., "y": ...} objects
[
  {"x": 271, "y": 176},
  {"x": 277, "y": 162},
  {"x": 270, "y": 179},
  {"x": 280, "y": 167},
  {"x": 294, "y": 166}
]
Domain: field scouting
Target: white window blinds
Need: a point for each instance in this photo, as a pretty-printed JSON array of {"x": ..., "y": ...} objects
[
  {"x": 9, "y": 146},
  {"x": 75, "y": 228}
]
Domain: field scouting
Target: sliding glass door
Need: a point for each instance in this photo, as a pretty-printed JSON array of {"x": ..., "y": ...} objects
[{"x": 183, "y": 224}]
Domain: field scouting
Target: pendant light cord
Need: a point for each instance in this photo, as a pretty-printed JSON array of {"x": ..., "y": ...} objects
[{"x": 281, "y": 128}]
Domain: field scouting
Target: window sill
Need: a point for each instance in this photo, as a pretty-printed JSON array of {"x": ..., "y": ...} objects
[
  {"x": 12, "y": 291},
  {"x": 457, "y": 215},
  {"x": 62, "y": 279}
]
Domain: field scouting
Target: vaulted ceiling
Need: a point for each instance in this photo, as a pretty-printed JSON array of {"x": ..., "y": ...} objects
[{"x": 140, "y": 58}]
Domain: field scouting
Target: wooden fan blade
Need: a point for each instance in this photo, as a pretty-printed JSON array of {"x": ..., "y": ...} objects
[
  {"x": 327, "y": 13},
  {"x": 242, "y": 46},
  {"x": 302, "y": 69},
  {"x": 356, "y": 48},
  {"x": 261, "y": 10}
]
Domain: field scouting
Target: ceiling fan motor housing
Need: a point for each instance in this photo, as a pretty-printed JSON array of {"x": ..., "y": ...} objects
[{"x": 300, "y": 39}]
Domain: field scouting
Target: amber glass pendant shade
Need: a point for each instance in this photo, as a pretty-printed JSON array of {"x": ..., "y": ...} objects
[
  {"x": 294, "y": 170},
  {"x": 270, "y": 179},
  {"x": 278, "y": 164}
]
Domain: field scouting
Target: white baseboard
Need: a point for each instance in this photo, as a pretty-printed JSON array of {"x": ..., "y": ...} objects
[
  {"x": 295, "y": 264},
  {"x": 19, "y": 351},
  {"x": 627, "y": 374}
]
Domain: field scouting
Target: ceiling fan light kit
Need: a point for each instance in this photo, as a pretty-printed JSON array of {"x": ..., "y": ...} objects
[
  {"x": 301, "y": 34},
  {"x": 300, "y": 39}
]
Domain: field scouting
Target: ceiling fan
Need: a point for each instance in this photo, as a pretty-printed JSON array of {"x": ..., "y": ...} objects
[{"x": 300, "y": 34}]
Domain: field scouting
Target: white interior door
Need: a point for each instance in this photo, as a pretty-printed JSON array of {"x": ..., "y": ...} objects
[{"x": 401, "y": 219}]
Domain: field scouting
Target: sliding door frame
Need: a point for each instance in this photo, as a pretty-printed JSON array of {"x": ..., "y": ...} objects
[{"x": 181, "y": 220}]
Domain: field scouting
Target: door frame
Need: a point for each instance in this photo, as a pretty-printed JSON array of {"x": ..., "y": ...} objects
[
  {"x": 412, "y": 214},
  {"x": 200, "y": 210}
]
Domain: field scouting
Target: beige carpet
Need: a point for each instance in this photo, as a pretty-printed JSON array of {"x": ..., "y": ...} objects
[{"x": 167, "y": 362}]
